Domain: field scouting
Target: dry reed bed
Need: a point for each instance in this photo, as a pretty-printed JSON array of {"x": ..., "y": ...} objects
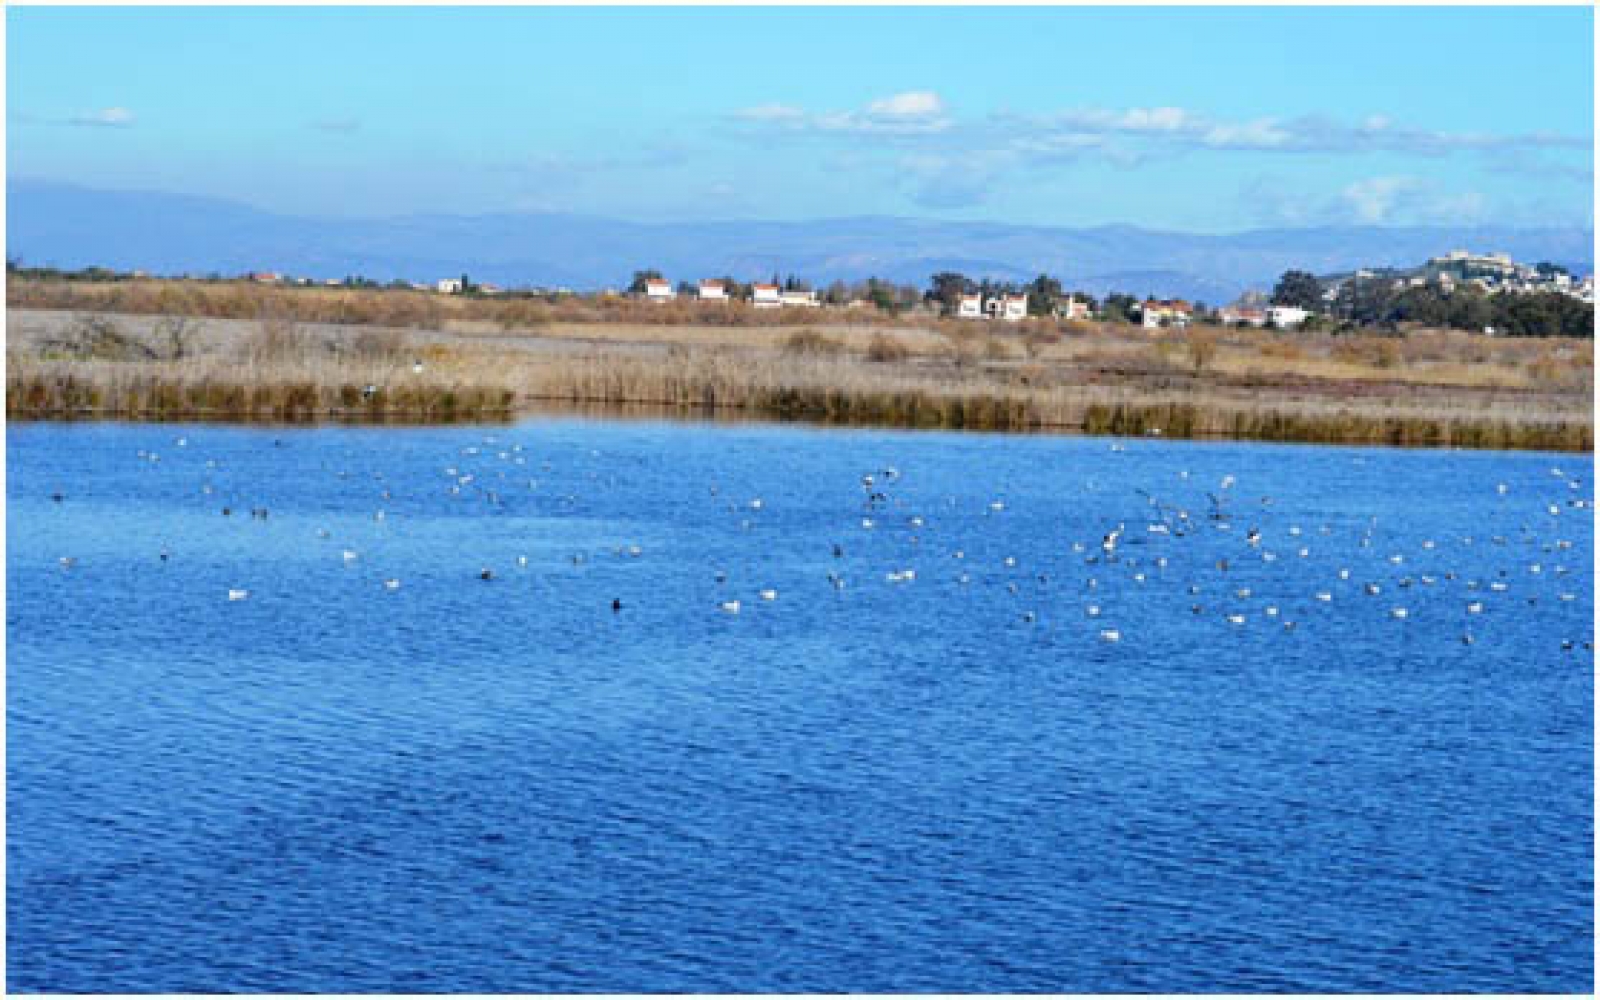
[
  {"x": 280, "y": 371},
  {"x": 388, "y": 307},
  {"x": 1424, "y": 356},
  {"x": 842, "y": 391},
  {"x": 172, "y": 391}
]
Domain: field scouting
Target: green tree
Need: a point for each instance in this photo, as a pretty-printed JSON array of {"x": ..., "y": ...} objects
[
  {"x": 947, "y": 287},
  {"x": 1044, "y": 292},
  {"x": 1298, "y": 288},
  {"x": 1119, "y": 308},
  {"x": 882, "y": 294}
]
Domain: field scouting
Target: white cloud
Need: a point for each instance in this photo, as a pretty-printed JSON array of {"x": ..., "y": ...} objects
[
  {"x": 1392, "y": 200},
  {"x": 1374, "y": 199},
  {"x": 912, "y": 112},
  {"x": 1002, "y": 144},
  {"x": 1263, "y": 133},
  {"x": 107, "y": 118},
  {"x": 954, "y": 181},
  {"x": 1154, "y": 120},
  {"x": 911, "y": 104}
]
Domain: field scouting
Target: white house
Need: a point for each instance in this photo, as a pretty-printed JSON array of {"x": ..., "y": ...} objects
[
  {"x": 1011, "y": 308},
  {"x": 806, "y": 300},
  {"x": 1165, "y": 312},
  {"x": 1234, "y": 315},
  {"x": 713, "y": 291},
  {"x": 1284, "y": 317},
  {"x": 766, "y": 296},
  {"x": 658, "y": 290},
  {"x": 970, "y": 307},
  {"x": 448, "y": 286},
  {"x": 1073, "y": 308}
]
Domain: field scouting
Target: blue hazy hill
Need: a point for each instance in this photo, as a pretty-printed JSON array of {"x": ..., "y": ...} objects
[{"x": 68, "y": 226}]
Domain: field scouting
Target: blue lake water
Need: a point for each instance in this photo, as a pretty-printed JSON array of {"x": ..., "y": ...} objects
[{"x": 385, "y": 773}]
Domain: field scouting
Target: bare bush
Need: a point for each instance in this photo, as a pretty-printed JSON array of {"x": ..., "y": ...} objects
[
  {"x": 96, "y": 338},
  {"x": 884, "y": 348},
  {"x": 378, "y": 345},
  {"x": 997, "y": 349},
  {"x": 1202, "y": 346},
  {"x": 176, "y": 335},
  {"x": 276, "y": 338},
  {"x": 811, "y": 342}
]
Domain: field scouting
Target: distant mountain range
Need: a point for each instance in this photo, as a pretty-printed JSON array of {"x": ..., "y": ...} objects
[{"x": 51, "y": 224}]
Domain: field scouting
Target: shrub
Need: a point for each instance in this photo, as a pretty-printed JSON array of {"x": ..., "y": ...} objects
[
  {"x": 885, "y": 348},
  {"x": 97, "y": 338},
  {"x": 811, "y": 342},
  {"x": 1202, "y": 345},
  {"x": 996, "y": 349}
]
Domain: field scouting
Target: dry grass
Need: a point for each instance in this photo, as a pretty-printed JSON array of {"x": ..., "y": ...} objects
[{"x": 1441, "y": 389}]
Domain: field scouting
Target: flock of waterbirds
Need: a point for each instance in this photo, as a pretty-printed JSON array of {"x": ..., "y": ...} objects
[{"x": 1123, "y": 562}]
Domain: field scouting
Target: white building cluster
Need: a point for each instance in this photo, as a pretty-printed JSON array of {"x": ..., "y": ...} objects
[
  {"x": 1006, "y": 307},
  {"x": 762, "y": 296},
  {"x": 1494, "y": 272}
]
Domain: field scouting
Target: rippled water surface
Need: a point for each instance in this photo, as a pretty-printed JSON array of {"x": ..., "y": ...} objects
[{"x": 385, "y": 773}]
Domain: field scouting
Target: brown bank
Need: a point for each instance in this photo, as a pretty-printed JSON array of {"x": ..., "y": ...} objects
[{"x": 292, "y": 356}]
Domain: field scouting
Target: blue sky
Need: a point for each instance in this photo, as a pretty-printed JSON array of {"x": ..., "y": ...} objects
[{"x": 1188, "y": 118}]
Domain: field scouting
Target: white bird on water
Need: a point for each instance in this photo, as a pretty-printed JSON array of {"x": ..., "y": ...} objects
[
  {"x": 235, "y": 594},
  {"x": 731, "y": 607},
  {"x": 769, "y": 594},
  {"x": 1110, "y": 635}
]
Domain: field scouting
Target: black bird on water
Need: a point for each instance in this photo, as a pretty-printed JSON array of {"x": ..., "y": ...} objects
[
  {"x": 616, "y": 605},
  {"x": 486, "y": 574}
]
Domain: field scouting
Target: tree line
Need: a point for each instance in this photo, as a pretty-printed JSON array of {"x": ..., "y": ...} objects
[
  {"x": 1377, "y": 302},
  {"x": 1358, "y": 303}
]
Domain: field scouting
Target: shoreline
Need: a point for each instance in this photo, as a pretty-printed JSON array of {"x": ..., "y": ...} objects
[
  {"x": 1118, "y": 382},
  {"x": 1486, "y": 436}
]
